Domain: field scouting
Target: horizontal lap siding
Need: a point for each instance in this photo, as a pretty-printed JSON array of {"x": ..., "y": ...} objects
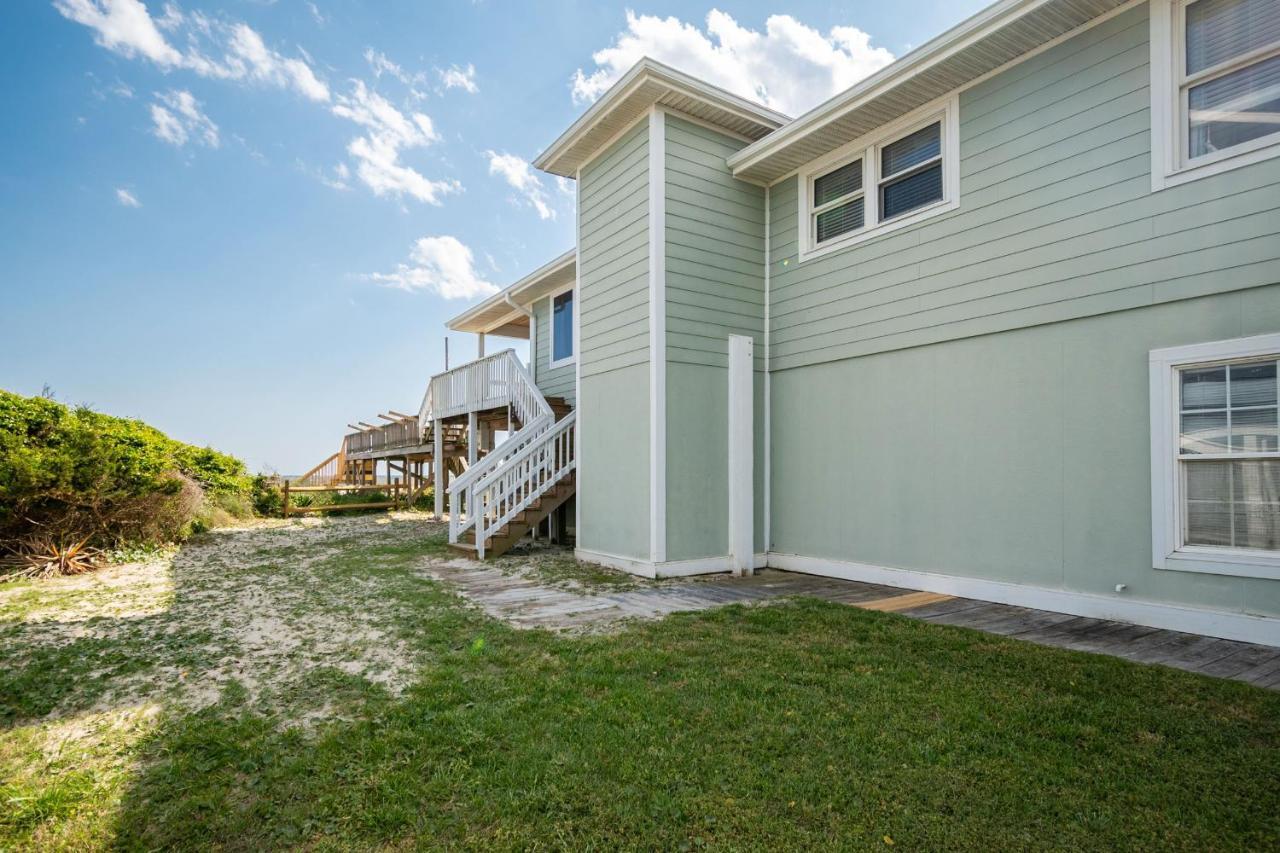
[
  {"x": 1021, "y": 456},
  {"x": 714, "y": 238},
  {"x": 1056, "y": 220},
  {"x": 552, "y": 381},
  {"x": 614, "y": 256},
  {"x": 613, "y": 317}
]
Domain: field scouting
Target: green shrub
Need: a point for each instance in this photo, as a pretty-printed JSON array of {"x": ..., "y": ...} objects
[{"x": 74, "y": 474}]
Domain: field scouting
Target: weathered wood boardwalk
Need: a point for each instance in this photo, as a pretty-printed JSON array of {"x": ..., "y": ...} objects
[{"x": 525, "y": 602}]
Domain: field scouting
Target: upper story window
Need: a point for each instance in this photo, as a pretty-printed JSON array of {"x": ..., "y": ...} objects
[
  {"x": 894, "y": 177},
  {"x": 1216, "y": 457},
  {"x": 562, "y": 328},
  {"x": 1215, "y": 85}
]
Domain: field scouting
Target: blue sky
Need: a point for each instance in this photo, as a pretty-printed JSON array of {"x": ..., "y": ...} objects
[{"x": 246, "y": 222}]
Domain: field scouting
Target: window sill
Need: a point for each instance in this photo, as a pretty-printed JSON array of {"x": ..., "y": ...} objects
[
  {"x": 564, "y": 362},
  {"x": 1216, "y": 164},
  {"x": 1216, "y": 561},
  {"x": 857, "y": 238}
]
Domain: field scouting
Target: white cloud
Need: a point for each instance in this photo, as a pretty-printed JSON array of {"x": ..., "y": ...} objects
[
  {"x": 790, "y": 67},
  {"x": 127, "y": 28},
  {"x": 317, "y": 15},
  {"x": 177, "y": 119},
  {"x": 520, "y": 176},
  {"x": 440, "y": 265},
  {"x": 122, "y": 26},
  {"x": 126, "y": 198},
  {"x": 381, "y": 64},
  {"x": 457, "y": 77},
  {"x": 390, "y": 132}
]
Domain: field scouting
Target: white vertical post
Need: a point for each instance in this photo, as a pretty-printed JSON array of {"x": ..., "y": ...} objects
[
  {"x": 741, "y": 452},
  {"x": 473, "y": 437},
  {"x": 437, "y": 466},
  {"x": 480, "y": 345}
]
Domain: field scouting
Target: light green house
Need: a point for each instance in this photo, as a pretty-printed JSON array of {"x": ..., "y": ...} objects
[{"x": 1001, "y": 320}]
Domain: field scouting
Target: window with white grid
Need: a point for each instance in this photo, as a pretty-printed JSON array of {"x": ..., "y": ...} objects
[{"x": 1217, "y": 452}]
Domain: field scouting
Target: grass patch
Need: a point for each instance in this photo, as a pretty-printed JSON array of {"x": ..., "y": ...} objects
[{"x": 805, "y": 724}]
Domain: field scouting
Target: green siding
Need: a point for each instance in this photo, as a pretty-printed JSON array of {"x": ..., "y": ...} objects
[
  {"x": 1021, "y": 456},
  {"x": 553, "y": 382},
  {"x": 613, "y": 259},
  {"x": 1056, "y": 220},
  {"x": 714, "y": 232}
]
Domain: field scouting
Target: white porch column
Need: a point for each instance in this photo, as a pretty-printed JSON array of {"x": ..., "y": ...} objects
[
  {"x": 437, "y": 466},
  {"x": 480, "y": 345},
  {"x": 741, "y": 452},
  {"x": 473, "y": 438}
]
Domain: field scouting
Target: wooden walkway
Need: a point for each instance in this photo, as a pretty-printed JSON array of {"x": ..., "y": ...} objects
[{"x": 525, "y": 602}]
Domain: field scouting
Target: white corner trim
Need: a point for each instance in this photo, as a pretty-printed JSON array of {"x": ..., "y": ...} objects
[
  {"x": 657, "y": 337},
  {"x": 867, "y": 148},
  {"x": 1169, "y": 164},
  {"x": 1167, "y": 550},
  {"x": 670, "y": 569},
  {"x": 766, "y": 522},
  {"x": 577, "y": 347},
  {"x": 1214, "y": 623}
]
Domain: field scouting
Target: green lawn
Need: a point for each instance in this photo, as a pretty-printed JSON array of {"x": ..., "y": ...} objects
[{"x": 305, "y": 687}]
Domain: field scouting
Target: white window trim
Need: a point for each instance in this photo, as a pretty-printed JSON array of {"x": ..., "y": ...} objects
[
  {"x": 1166, "y": 500},
  {"x": 551, "y": 327},
  {"x": 868, "y": 148},
  {"x": 1169, "y": 165}
]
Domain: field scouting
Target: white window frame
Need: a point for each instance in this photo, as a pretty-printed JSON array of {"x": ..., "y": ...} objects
[
  {"x": 868, "y": 148},
  {"x": 551, "y": 326},
  {"x": 1170, "y": 128},
  {"x": 1168, "y": 552}
]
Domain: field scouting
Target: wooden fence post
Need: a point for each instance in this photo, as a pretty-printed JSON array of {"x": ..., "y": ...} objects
[{"x": 286, "y": 498}]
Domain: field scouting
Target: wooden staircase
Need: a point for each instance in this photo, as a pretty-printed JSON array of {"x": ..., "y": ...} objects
[{"x": 516, "y": 529}]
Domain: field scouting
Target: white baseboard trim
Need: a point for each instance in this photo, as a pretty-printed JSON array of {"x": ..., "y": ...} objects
[
  {"x": 1213, "y": 623},
  {"x": 668, "y": 569}
]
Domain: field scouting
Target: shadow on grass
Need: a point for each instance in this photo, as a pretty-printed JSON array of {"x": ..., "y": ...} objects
[{"x": 799, "y": 725}]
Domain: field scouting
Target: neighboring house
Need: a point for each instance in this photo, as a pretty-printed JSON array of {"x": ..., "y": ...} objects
[{"x": 1002, "y": 320}]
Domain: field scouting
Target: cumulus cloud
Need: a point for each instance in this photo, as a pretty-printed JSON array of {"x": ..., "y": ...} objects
[
  {"x": 440, "y": 265},
  {"x": 122, "y": 26},
  {"x": 127, "y": 28},
  {"x": 177, "y": 118},
  {"x": 790, "y": 67},
  {"x": 389, "y": 132},
  {"x": 458, "y": 77},
  {"x": 126, "y": 198},
  {"x": 520, "y": 176}
]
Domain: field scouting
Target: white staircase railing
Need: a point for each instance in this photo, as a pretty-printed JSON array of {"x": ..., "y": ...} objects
[
  {"x": 526, "y": 475},
  {"x": 487, "y": 383}
]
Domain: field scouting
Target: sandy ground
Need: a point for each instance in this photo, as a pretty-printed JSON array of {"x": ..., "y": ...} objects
[{"x": 263, "y": 606}]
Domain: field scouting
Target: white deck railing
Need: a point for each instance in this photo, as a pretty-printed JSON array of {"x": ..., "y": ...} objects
[
  {"x": 526, "y": 475},
  {"x": 487, "y": 383}
]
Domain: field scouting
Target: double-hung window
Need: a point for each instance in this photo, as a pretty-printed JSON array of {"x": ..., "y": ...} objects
[
  {"x": 1216, "y": 457},
  {"x": 1215, "y": 85},
  {"x": 562, "y": 328},
  {"x": 886, "y": 180}
]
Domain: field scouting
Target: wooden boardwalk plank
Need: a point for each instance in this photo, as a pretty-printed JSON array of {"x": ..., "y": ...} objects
[{"x": 525, "y": 601}]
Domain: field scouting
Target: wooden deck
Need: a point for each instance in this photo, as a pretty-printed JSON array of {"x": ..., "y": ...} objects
[{"x": 525, "y": 602}]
